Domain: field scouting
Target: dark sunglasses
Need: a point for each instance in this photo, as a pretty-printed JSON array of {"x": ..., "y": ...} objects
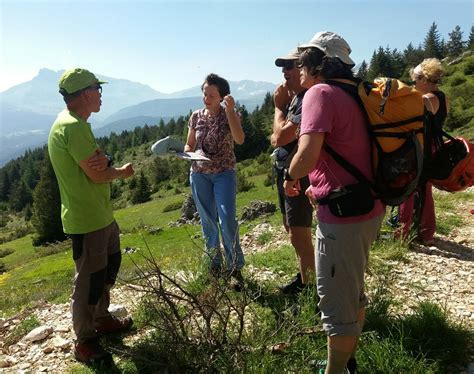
[
  {"x": 98, "y": 88},
  {"x": 288, "y": 65}
]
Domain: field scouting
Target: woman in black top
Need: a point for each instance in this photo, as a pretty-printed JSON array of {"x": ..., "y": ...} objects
[{"x": 426, "y": 76}]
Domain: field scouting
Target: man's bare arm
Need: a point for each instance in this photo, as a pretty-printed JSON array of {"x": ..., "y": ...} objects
[
  {"x": 284, "y": 131},
  {"x": 107, "y": 175}
]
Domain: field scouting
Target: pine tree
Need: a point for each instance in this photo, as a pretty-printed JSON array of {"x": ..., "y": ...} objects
[
  {"x": 386, "y": 63},
  {"x": 14, "y": 172},
  {"x": 112, "y": 147},
  {"x": 20, "y": 196},
  {"x": 46, "y": 218},
  {"x": 363, "y": 71},
  {"x": 455, "y": 44},
  {"x": 4, "y": 185},
  {"x": 160, "y": 171},
  {"x": 132, "y": 184},
  {"x": 257, "y": 128},
  {"x": 413, "y": 56},
  {"x": 470, "y": 42},
  {"x": 30, "y": 173},
  {"x": 432, "y": 44},
  {"x": 374, "y": 67},
  {"x": 142, "y": 191},
  {"x": 397, "y": 63},
  {"x": 444, "y": 48}
]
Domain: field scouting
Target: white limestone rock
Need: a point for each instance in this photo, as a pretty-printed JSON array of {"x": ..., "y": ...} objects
[
  {"x": 118, "y": 310},
  {"x": 6, "y": 361},
  {"x": 38, "y": 333},
  {"x": 61, "y": 343},
  {"x": 62, "y": 328},
  {"x": 48, "y": 349}
]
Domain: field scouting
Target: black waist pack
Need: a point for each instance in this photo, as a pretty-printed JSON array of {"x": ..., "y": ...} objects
[{"x": 349, "y": 201}]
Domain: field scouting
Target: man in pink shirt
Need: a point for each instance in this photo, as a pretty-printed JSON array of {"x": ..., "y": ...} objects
[{"x": 331, "y": 117}]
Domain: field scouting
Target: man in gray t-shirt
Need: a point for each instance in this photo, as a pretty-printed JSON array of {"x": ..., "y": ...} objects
[{"x": 297, "y": 211}]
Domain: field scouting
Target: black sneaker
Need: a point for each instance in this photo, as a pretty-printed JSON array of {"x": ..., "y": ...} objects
[
  {"x": 351, "y": 366},
  {"x": 294, "y": 287}
]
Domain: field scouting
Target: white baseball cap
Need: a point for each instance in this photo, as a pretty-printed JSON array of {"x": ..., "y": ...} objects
[{"x": 332, "y": 45}]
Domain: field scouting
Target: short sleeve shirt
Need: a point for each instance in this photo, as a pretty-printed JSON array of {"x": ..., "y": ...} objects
[
  {"x": 85, "y": 205},
  {"x": 294, "y": 115},
  {"x": 330, "y": 110},
  {"x": 214, "y": 141}
]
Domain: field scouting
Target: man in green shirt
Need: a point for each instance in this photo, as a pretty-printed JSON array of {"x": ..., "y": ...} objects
[{"x": 84, "y": 174}]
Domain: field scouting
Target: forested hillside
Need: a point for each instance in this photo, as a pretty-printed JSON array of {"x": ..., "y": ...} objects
[{"x": 29, "y": 198}]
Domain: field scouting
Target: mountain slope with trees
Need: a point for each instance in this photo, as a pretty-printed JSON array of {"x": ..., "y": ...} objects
[{"x": 20, "y": 178}]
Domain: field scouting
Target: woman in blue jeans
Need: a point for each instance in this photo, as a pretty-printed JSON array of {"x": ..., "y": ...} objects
[{"x": 212, "y": 133}]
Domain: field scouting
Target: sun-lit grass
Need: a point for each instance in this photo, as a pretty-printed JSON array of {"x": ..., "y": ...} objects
[
  {"x": 23, "y": 251},
  {"x": 451, "y": 210},
  {"x": 390, "y": 249},
  {"x": 30, "y": 277}
]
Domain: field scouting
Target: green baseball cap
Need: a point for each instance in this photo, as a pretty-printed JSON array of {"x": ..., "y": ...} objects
[{"x": 74, "y": 80}]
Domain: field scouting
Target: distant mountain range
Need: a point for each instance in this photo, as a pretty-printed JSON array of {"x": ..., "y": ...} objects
[{"x": 28, "y": 109}]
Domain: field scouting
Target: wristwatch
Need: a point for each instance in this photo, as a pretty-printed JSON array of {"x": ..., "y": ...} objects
[
  {"x": 109, "y": 160},
  {"x": 286, "y": 175}
]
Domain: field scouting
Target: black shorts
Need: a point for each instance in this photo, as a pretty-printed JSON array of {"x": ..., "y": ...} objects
[{"x": 297, "y": 210}]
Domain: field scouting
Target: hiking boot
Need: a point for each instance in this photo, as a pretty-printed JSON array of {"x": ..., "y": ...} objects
[
  {"x": 112, "y": 324},
  {"x": 295, "y": 286},
  {"x": 91, "y": 351},
  {"x": 236, "y": 280}
]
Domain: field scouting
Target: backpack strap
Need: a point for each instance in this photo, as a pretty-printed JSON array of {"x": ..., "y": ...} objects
[
  {"x": 351, "y": 87},
  {"x": 383, "y": 126},
  {"x": 445, "y": 134},
  {"x": 351, "y": 169},
  {"x": 399, "y": 135}
]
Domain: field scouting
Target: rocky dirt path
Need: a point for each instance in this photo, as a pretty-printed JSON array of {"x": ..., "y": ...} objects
[{"x": 443, "y": 273}]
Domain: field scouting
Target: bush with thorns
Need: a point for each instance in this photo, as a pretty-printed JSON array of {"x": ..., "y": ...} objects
[{"x": 193, "y": 319}]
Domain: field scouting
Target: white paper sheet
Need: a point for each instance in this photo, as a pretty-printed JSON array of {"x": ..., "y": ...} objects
[{"x": 192, "y": 156}]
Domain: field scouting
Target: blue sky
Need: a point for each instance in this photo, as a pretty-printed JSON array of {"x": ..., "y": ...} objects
[{"x": 172, "y": 45}]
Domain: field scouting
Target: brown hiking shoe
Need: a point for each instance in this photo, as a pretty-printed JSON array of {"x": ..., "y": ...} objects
[
  {"x": 236, "y": 280},
  {"x": 113, "y": 324},
  {"x": 91, "y": 351}
]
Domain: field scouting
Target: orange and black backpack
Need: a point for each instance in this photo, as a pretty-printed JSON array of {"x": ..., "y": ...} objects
[{"x": 395, "y": 119}]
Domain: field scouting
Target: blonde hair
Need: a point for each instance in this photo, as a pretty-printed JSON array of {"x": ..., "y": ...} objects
[{"x": 430, "y": 69}]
